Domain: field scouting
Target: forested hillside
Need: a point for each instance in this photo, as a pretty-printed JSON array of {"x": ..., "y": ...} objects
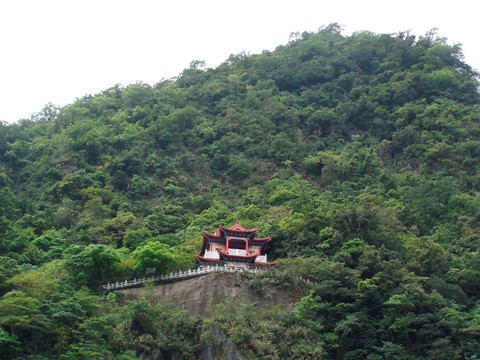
[{"x": 359, "y": 155}]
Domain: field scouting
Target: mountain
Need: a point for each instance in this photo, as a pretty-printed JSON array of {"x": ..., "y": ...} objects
[{"x": 358, "y": 155}]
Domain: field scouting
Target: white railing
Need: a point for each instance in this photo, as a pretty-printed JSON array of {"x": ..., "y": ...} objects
[
  {"x": 178, "y": 276},
  {"x": 212, "y": 255},
  {"x": 237, "y": 252},
  {"x": 261, "y": 259},
  {"x": 189, "y": 274}
]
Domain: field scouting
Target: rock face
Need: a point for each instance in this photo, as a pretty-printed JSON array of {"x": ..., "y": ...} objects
[
  {"x": 225, "y": 350},
  {"x": 199, "y": 295},
  {"x": 194, "y": 295}
]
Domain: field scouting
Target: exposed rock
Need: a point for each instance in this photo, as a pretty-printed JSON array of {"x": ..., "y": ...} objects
[
  {"x": 225, "y": 349},
  {"x": 194, "y": 295}
]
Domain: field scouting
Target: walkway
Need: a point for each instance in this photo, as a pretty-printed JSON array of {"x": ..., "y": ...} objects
[{"x": 186, "y": 275}]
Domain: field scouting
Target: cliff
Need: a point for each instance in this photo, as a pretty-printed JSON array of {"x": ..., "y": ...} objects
[{"x": 197, "y": 295}]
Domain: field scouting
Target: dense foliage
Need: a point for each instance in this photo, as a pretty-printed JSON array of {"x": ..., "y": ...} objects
[{"x": 359, "y": 155}]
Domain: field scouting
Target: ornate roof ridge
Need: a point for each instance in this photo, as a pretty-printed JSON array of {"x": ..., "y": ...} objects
[{"x": 239, "y": 228}]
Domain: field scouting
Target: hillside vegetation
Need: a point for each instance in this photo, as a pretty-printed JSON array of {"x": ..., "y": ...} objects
[{"x": 359, "y": 155}]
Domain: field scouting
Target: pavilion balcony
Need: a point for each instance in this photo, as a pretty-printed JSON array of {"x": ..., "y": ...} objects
[
  {"x": 261, "y": 259},
  {"x": 237, "y": 252},
  {"x": 212, "y": 255}
]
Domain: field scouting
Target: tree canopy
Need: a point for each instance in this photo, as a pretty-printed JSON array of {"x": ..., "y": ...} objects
[{"x": 359, "y": 155}]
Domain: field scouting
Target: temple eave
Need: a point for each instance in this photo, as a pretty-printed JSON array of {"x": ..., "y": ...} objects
[
  {"x": 263, "y": 239},
  {"x": 204, "y": 259},
  {"x": 237, "y": 259},
  {"x": 211, "y": 235}
]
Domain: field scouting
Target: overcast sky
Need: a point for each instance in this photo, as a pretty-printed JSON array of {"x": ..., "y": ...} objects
[{"x": 59, "y": 50}]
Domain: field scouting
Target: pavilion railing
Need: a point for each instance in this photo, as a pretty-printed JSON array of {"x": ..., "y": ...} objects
[
  {"x": 237, "y": 252},
  {"x": 212, "y": 254}
]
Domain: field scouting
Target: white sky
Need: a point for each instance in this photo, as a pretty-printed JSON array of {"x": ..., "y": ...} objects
[{"x": 59, "y": 50}]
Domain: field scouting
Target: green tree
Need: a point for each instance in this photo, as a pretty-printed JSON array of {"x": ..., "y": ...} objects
[
  {"x": 91, "y": 265},
  {"x": 8, "y": 268},
  {"x": 154, "y": 255},
  {"x": 136, "y": 238},
  {"x": 36, "y": 284},
  {"x": 16, "y": 310}
]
